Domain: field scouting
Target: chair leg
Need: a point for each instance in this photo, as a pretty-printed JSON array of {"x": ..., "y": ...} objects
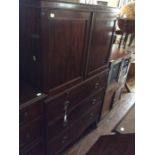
[
  {"x": 131, "y": 39},
  {"x": 125, "y": 40},
  {"x": 120, "y": 41}
]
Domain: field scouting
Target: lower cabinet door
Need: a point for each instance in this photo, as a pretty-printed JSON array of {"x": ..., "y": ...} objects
[{"x": 57, "y": 145}]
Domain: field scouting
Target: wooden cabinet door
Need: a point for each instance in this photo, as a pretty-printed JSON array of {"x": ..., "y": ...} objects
[
  {"x": 100, "y": 42},
  {"x": 65, "y": 35}
]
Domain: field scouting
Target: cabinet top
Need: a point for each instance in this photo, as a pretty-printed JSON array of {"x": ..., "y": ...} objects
[{"x": 67, "y": 5}]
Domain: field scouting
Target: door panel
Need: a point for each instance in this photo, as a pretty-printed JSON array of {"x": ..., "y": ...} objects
[
  {"x": 100, "y": 43},
  {"x": 67, "y": 34}
]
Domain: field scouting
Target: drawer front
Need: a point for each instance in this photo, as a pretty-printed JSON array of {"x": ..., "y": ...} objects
[
  {"x": 29, "y": 133},
  {"x": 87, "y": 88},
  {"x": 68, "y": 136},
  {"x": 69, "y": 118},
  {"x": 56, "y": 107},
  {"x": 38, "y": 149},
  {"x": 29, "y": 113}
]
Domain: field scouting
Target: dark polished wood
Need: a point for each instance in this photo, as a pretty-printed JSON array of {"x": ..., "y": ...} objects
[
  {"x": 54, "y": 128},
  {"x": 67, "y": 136},
  {"x": 37, "y": 149},
  {"x": 67, "y": 35},
  {"x": 30, "y": 132},
  {"x": 54, "y": 49},
  {"x": 100, "y": 41},
  {"x": 119, "y": 144},
  {"x": 64, "y": 54}
]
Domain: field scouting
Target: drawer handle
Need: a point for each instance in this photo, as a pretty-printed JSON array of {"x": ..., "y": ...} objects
[
  {"x": 93, "y": 101},
  {"x": 65, "y": 122},
  {"x": 97, "y": 85},
  {"x": 34, "y": 58},
  {"x": 91, "y": 115},
  {"x": 65, "y": 117},
  {"x": 52, "y": 15},
  {"x": 67, "y": 102},
  {"x": 65, "y": 138}
]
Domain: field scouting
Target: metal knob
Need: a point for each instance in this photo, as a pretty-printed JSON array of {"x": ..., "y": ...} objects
[
  {"x": 66, "y": 104},
  {"x": 91, "y": 114},
  {"x": 65, "y": 118},
  {"x": 93, "y": 101},
  {"x": 64, "y": 139},
  {"x": 97, "y": 85},
  {"x": 52, "y": 15},
  {"x": 34, "y": 58}
]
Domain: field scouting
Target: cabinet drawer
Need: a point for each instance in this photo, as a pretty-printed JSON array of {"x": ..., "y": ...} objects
[
  {"x": 29, "y": 113},
  {"x": 56, "y": 107},
  {"x": 89, "y": 87},
  {"x": 30, "y": 132},
  {"x": 70, "y": 117},
  {"x": 65, "y": 138},
  {"x": 38, "y": 149}
]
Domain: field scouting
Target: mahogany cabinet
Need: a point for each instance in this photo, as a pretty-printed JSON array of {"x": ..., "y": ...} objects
[
  {"x": 31, "y": 120},
  {"x": 64, "y": 55}
]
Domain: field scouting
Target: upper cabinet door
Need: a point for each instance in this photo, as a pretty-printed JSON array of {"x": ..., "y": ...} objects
[
  {"x": 65, "y": 38},
  {"x": 100, "y": 42}
]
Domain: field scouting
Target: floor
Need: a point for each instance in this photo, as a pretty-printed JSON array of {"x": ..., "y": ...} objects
[
  {"x": 127, "y": 125},
  {"x": 105, "y": 127},
  {"x": 118, "y": 144}
]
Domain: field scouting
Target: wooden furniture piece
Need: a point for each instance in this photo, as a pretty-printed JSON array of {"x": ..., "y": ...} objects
[
  {"x": 118, "y": 144},
  {"x": 119, "y": 66},
  {"x": 127, "y": 27},
  {"x": 64, "y": 53},
  {"x": 31, "y": 120}
]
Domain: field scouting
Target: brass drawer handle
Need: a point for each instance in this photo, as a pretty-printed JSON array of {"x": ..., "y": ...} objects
[
  {"x": 65, "y": 138},
  {"x": 94, "y": 101},
  {"x": 91, "y": 115},
  {"x": 65, "y": 121},
  {"x": 52, "y": 15},
  {"x": 67, "y": 103},
  {"x": 97, "y": 85}
]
